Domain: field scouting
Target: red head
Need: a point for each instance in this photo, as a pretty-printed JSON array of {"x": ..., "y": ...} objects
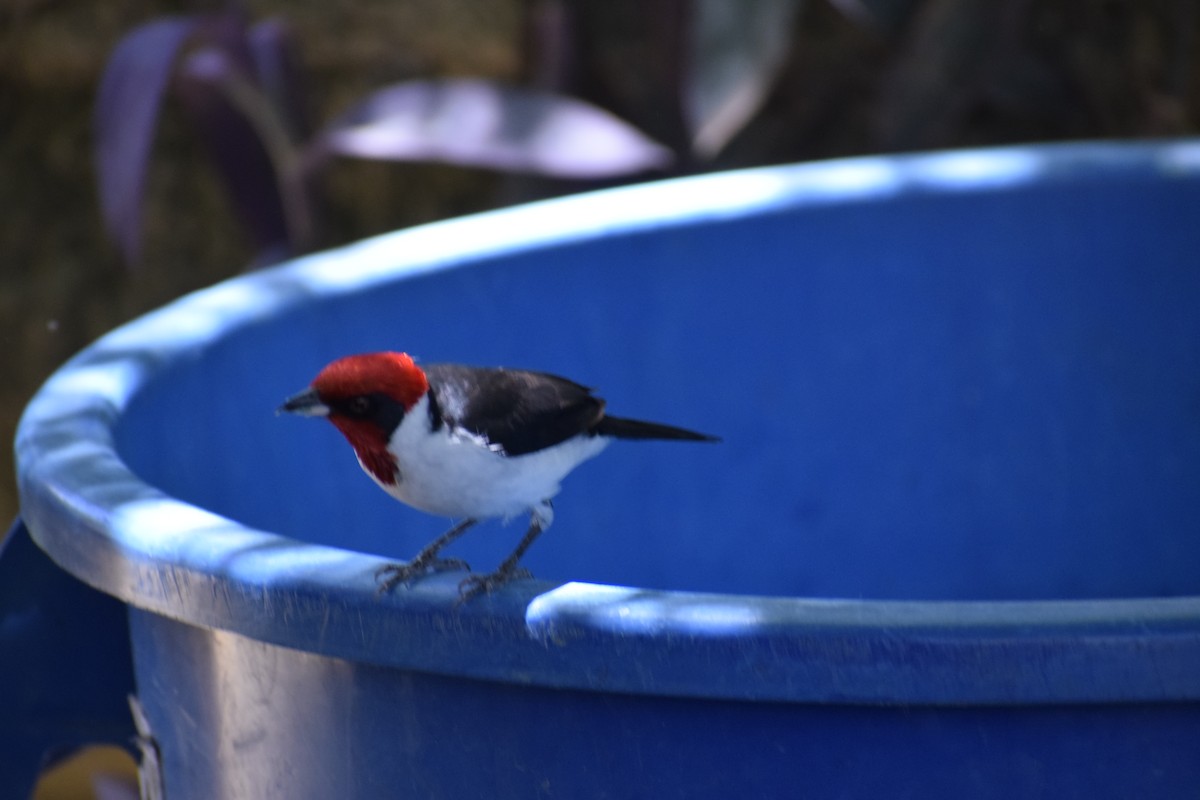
[
  {"x": 391, "y": 374},
  {"x": 365, "y": 396}
]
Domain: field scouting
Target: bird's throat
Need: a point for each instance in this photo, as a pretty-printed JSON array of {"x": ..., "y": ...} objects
[
  {"x": 370, "y": 447},
  {"x": 380, "y": 463}
]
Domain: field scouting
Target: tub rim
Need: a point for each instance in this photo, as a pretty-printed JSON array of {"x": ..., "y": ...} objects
[{"x": 91, "y": 514}]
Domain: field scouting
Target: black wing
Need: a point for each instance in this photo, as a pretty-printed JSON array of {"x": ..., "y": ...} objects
[{"x": 516, "y": 410}]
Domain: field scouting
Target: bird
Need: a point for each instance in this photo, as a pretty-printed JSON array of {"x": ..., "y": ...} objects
[{"x": 466, "y": 442}]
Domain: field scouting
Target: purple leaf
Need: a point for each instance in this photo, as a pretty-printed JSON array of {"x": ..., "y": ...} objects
[
  {"x": 478, "y": 123},
  {"x": 279, "y": 75},
  {"x": 126, "y": 111},
  {"x": 205, "y": 87},
  {"x": 737, "y": 52}
]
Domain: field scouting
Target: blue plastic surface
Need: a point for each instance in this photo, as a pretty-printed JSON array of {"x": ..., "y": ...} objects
[
  {"x": 65, "y": 665},
  {"x": 949, "y": 544}
]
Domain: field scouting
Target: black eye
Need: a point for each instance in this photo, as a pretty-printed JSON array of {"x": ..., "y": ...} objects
[{"x": 374, "y": 407}]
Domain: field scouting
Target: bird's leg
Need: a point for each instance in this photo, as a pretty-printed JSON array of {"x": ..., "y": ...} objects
[
  {"x": 508, "y": 570},
  {"x": 391, "y": 575}
]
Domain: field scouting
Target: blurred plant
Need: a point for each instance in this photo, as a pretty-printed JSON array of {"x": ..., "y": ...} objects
[
  {"x": 693, "y": 72},
  {"x": 240, "y": 87},
  {"x": 710, "y": 63},
  {"x": 697, "y": 70}
]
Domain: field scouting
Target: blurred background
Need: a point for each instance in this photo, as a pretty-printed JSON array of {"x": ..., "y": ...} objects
[
  {"x": 834, "y": 78},
  {"x": 699, "y": 85}
]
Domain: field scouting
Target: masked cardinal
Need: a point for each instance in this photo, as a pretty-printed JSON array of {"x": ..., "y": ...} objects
[{"x": 467, "y": 443}]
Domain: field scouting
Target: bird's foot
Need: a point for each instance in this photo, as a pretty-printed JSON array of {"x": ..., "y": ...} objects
[
  {"x": 475, "y": 585},
  {"x": 390, "y": 576}
]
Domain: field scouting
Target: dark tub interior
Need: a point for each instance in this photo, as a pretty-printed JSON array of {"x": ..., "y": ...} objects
[{"x": 943, "y": 395}]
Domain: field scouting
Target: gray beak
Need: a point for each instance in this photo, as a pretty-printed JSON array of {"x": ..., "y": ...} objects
[{"x": 306, "y": 404}]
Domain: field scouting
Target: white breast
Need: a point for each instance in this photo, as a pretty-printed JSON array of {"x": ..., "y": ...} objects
[{"x": 455, "y": 474}]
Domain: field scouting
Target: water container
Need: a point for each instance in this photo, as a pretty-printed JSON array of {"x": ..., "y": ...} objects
[{"x": 949, "y": 545}]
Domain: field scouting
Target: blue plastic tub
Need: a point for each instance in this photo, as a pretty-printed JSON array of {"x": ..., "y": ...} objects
[{"x": 949, "y": 547}]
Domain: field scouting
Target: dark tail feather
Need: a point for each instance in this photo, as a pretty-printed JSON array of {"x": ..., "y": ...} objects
[{"x": 636, "y": 429}]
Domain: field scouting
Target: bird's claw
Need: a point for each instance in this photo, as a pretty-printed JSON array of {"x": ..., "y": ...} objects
[
  {"x": 390, "y": 576},
  {"x": 475, "y": 585}
]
